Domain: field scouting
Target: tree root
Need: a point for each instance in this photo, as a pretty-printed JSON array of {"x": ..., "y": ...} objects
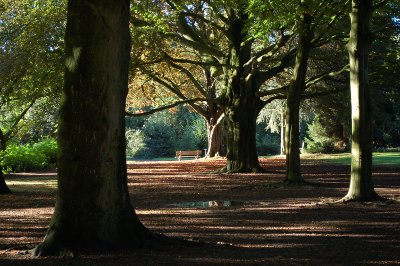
[
  {"x": 51, "y": 246},
  {"x": 360, "y": 200},
  {"x": 255, "y": 170}
]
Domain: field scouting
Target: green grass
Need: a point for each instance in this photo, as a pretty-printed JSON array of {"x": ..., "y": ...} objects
[
  {"x": 34, "y": 182},
  {"x": 379, "y": 158}
]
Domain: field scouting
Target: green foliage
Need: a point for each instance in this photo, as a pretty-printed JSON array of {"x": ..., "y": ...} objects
[
  {"x": 199, "y": 132},
  {"x": 162, "y": 133},
  {"x": 135, "y": 143},
  {"x": 318, "y": 139},
  {"x": 31, "y": 69},
  {"x": 39, "y": 156},
  {"x": 48, "y": 147},
  {"x": 160, "y": 137},
  {"x": 267, "y": 143}
]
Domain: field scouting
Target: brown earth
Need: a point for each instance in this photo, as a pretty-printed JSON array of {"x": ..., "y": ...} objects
[{"x": 230, "y": 219}]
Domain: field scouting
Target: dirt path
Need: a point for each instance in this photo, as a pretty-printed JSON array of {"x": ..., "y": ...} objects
[{"x": 237, "y": 218}]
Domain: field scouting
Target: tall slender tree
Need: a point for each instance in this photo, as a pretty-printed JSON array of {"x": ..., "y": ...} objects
[
  {"x": 295, "y": 91},
  {"x": 93, "y": 208},
  {"x": 361, "y": 185}
]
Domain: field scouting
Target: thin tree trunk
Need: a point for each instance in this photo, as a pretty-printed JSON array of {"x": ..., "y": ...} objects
[
  {"x": 293, "y": 167},
  {"x": 283, "y": 132},
  {"x": 93, "y": 208},
  {"x": 361, "y": 185},
  {"x": 3, "y": 186}
]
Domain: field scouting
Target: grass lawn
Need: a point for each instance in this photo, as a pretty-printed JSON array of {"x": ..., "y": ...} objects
[{"x": 379, "y": 158}]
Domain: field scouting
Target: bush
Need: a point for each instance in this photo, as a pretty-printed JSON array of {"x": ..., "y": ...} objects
[
  {"x": 135, "y": 143},
  {"x": 268, "y": 144},
  {"x": 48, "y": 147},
  {"x": 39, "y": 156},
  {"x": 162, "y": 133},
  {"x": 160, "y": 137},
  {"x": 318, "y": 140}
]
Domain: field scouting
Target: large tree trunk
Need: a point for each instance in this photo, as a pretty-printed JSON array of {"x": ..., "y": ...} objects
[
  {"x": 293, "y": 167},
  {"x": 214, "y": 138},
  {"x": 241, "y": 104},
  {"x": 241, "y": 136},
  {"x": 93, "y": 208},
  {"x": 361, "y": 186}
]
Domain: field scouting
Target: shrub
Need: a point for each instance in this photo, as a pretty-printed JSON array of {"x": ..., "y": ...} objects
[
  {"x": 135, "y": 143},
  {"x": 268, "y": 144},
  {"x": 39, "y": 156},
  {"x": 160, "y": 138},
  {"x": 318, "y": 139},
  {"x": 48, "y": 147}
]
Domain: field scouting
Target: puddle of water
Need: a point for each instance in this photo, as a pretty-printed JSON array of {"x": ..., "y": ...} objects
[{"x": 216, "y": 203}]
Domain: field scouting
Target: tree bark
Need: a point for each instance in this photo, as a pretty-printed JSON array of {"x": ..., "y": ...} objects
[
  {"x": 214, "y": 138},
  {"x": 241, "y": 104},
  {"x": 241, "y": 137},
  {"x": 361, "y": 185},
  {"x": 293, "y": 166},
  {"x": 283, "y": 132},
  {"x": 3, "y": 186},
  {"x": 93, "y": 208}
]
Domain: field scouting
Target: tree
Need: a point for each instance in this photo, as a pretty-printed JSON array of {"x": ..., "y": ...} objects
[
  {"x": 93, "y": 208},
  {"x": 30, "y": 72},
  {"x": 312, "y": 21},
  {"x": 194, "y": 87},
  {"x": 217, "y": 33},
  {"x": 297, "y": 87},
  {"x": 361, "y": 185}
]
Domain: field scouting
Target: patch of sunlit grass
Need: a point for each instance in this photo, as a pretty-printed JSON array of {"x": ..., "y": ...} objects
[
  {"x": 379, "y": 158},
  {"x": 32, "y": 184}
]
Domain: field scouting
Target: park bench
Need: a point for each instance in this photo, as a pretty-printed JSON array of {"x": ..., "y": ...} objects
[{"x": 188, "y": 154}]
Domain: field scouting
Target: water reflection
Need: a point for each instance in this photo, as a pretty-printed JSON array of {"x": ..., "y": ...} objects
[{"x": 215, "y": 203}]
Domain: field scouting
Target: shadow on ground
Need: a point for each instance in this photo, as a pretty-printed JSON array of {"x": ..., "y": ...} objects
[{"x": 236, "y": 217}]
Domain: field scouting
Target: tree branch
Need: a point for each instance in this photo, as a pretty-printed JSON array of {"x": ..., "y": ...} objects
[
  {"x": 169, "y": 106},
  {"x": 322, "y": 76},
  {"x": 199, "y": 63},
  {"x": 281, "y": 90},
  {"x": 197, "y": 16},
  {"x": 8, "y": 134},
  {"x": 172, "y": 88},
  {"x": 197, "y": 85},
  {"x": 199, "y": 47},
  {"x": 283, "y": 63},
  {"x": 269, "y": 51}
]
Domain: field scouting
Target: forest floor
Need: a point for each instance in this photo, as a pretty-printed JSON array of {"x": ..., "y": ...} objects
[{"x": 229, "y": 219}]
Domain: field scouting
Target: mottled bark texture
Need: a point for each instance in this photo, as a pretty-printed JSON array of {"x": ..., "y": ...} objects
[
  {"x": 242, "y": 106},
  {"x": 93, "y": 208},
  {"x": 214, "y": 138},
  {"x": 293, "y": 167},
  {"x": 361, "y": 186}
]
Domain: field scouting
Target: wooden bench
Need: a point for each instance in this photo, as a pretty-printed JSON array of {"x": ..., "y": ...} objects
[{"x": 188, "y": 154}]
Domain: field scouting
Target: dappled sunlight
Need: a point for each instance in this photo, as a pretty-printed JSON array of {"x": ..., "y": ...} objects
[{"x": 241, "y": 219}]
